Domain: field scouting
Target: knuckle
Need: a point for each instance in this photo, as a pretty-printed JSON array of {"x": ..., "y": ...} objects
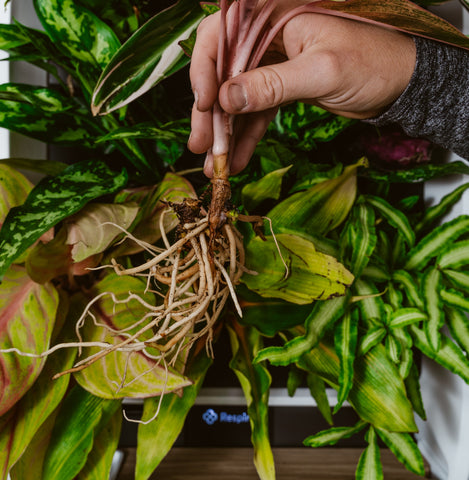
[{"x": 270, "y": 87}]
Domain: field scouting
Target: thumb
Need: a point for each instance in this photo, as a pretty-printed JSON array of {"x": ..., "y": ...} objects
[{"x": 271, "y": 86}]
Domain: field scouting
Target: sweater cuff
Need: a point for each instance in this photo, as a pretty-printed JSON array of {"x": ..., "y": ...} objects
[{"x": 435, "y": 104}]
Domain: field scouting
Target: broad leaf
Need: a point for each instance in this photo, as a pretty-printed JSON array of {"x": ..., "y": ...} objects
[
  {"x": 150, "y": 55},
  {"x": 255, "y": 381},
  {"x": 126, "y": 374},
  {"x": 78, "y": 33},
  {"x": 156, "y": 436},
  {"x": 268, "y": 187},
  {"x": 27, "y": 317},
  {"x": 52, "y": 200},
  {"x": 310, "y": 276},
  {"x": 321, "y": 208}
]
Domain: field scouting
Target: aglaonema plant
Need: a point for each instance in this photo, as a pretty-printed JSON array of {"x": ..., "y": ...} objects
[{"x": 118, "y": 272}]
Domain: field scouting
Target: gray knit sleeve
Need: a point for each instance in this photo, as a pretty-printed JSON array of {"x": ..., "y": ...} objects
[{"x": 435, "y": 104}]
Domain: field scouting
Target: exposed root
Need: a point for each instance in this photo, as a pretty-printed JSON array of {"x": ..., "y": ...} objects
[{"x": 195, "y": 276}]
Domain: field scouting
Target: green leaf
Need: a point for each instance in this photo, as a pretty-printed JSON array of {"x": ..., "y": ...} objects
[
  {"x": 400, "y": 14},
  {"x": 322, "y": 207},
  {"x": 255, "y": 381},
  {"x": 46, "y": 167},
  {"x": 431, "y": 284},
  {"x": 317, "y": 388},
  {"x": 269, "y": 315},
  {"x": 73, "y": 433},
  {"x": 455, "y": 298},
  {"x": 107, "y": 435},
  {"x": 405, "y": 449},
  {"x": 44, "y": 114},
  {"x": 371, "y": 338},
  {"x": 449, "y": 355},
  {"x": 52, "y": 200},
  {"x": 345, "y": 341},
  {"x": 433, "y": 243},
  {"x": 30, "y": 413},
  {"x": 14, "y": 189},
  {"x": 127, "y": 374},
  {"x": 438, "y": 211},
  {"x": 406, "y": 316},
  {"x": 311, "y": 275},
  {"x": 27, "y": 321},
  {"x": 78, "y": 33},
  {"x": 455, "y": 255},
  {"x": 369, "y": 466},
  {"x": 333, "y": 435},
  {"x": 409, "y": 285},
  {"x": 459, "y": 280},
  {"x": 370, "y": 302},
  {"x": 267, "y": 187},
  {"x": 359, "y": 238},
  {"x": 167, "y": 426},
  {"x": 150, "y": 55},
  {"x": 412, "y": 385},
  {"x": 394, "y": 216},
  {"x": 456, "y": 320},
  {"x": 323, "y": 315}
]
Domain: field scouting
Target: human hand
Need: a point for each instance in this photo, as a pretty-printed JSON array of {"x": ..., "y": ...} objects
[{"x": 347, "y": 67}]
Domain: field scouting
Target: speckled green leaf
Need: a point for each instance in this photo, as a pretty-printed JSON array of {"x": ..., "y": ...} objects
[
  {"x": 255, "y": 381},
  {"x": 311, "y": 275},
  {"x": 52, "y": 200},
  {"x": 27, "y": 317},
  {"x": 44, "y": 114},
  {"x": 150, "y": 55},
  {"x": 120, "y": 374},
  {"x": 78, "y": 32}
]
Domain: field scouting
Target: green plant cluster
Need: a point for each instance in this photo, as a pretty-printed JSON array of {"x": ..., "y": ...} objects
[{"x": 354, "y": 282}]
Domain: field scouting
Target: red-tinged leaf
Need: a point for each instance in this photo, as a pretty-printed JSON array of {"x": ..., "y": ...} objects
[
  {"x": 121, "y": 374},
  {"x": 27, "y": 316},
  {"x": 402, "y": 15}
]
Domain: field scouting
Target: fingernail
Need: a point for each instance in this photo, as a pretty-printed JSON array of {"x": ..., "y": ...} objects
[{"x": 237, "y": 96}]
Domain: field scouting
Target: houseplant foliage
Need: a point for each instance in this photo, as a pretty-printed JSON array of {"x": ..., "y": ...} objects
[{"x": 345, "y": 283}]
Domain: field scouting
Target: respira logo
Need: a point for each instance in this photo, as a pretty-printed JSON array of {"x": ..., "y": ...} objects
[{"x": 210, "y": 417}]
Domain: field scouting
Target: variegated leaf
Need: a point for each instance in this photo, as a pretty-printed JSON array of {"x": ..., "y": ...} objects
[{"x": 27, "y": 316}]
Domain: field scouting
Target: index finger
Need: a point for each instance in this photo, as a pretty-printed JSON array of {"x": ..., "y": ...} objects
[{"x": 202, "y": 70}]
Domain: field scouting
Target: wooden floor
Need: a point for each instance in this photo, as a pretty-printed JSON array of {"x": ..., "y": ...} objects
[{"x": 236, "y": 464}]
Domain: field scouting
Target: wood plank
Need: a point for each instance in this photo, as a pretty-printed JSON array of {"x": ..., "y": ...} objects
[{"x": 184, "y": 463}]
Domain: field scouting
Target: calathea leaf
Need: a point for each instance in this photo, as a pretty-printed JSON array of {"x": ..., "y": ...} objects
[
  {"x": 52, "y": 200},
  {"x": 27, "y": 318},
  {"x": 150, "y": 55}
]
